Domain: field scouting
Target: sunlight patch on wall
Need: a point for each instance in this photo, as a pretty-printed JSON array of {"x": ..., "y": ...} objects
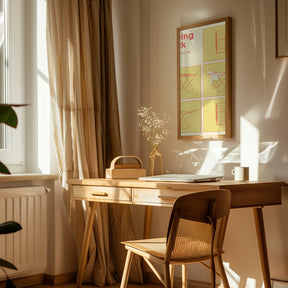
[
  {"x": 250, "y": 152},
  {"x": 250, "y": 283},
  {"x": 266, "y": 152},
  {"x": 186, "y": 152},
  {"x": 231, "y": 154},
  {"x": 233, "y": 277},
  {"x": 249, "y": 155},
  {"x": 212, "y": 158},
  {"x": 279, "y": 79}
]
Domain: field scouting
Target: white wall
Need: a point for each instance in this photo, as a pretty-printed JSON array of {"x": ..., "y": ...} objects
[{"x": 145, "y": 44}]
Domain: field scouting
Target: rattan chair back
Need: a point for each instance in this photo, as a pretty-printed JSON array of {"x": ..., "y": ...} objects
[{"x": 196, "y": 224}]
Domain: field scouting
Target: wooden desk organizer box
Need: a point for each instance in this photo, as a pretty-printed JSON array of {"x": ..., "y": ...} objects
[{"x": 125, "y": 171}]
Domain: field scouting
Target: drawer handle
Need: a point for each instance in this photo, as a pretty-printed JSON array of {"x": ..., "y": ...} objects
[
  {"x": 105, "y": 194},
  {"x": 167, "y": 199}
]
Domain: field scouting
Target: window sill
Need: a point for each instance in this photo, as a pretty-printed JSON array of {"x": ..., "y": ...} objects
[{"x": 27, "y": 177}]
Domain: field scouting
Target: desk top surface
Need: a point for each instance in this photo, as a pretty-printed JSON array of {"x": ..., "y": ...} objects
[
  {"x": 243, "y": 193},
  {"x": 135, "y": 183}
]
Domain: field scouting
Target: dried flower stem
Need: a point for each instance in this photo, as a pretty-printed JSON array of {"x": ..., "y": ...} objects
[{"x": 153, "y": 126}]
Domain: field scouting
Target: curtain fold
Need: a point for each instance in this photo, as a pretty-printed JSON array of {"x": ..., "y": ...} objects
[{"x": 86, "y": 125}]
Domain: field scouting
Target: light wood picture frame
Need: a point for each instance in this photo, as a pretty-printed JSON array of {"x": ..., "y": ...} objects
[
  {"x": 281, "y": 8},
  {"x": 204, "y": 80}
]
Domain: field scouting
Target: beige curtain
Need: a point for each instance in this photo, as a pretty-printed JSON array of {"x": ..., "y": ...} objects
[{"x": 86, "y": 124}]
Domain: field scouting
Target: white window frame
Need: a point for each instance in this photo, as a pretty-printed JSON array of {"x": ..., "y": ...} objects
[{"x": 13, "y": 154}]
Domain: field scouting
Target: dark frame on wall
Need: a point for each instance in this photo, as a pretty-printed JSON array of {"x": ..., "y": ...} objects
[
  {"x": 281, "y": 9},
  {"x": 204, "y": 80}
]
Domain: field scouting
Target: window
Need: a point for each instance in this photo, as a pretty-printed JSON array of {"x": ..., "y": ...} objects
[
  {"x": 24, "y": 71},
  {"x": 12, "y": 80}
]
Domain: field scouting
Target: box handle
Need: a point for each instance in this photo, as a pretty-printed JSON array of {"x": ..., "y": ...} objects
[{"x": 113, "y": 162}]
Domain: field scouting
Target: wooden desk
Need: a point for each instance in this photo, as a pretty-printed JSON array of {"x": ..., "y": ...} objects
[{"x": 243, "y": 194}]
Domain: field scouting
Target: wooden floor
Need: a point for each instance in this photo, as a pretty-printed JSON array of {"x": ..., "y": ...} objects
[{"x": 73, "y": 285}]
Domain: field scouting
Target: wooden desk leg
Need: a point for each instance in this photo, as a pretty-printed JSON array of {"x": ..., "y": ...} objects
[
  {"x": 85, "y": 244},
  {"x": 259, "y": 223},
  {"x": 146, "y": 235},
  {"x": 147, "y": 222}
]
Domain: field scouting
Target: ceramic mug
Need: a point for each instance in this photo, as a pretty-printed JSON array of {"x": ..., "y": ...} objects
[{"x": 240, "y": 173}]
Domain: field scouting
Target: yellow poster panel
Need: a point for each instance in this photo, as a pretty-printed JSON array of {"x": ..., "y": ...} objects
[
  {"x": 214, "y": 79},
  {"x": 214, "y": 114},
  {"x": 214, "y": 43},
  {"x": 190, "y": 82},
  {"x": 191, "y": 116}
]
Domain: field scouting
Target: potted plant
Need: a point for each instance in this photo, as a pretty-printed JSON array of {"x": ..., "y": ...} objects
[{"x": 8, "y": 117}]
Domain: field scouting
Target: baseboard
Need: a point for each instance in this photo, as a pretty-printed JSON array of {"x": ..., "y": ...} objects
[
  {"x": 60, "y": 279},
  {"x": 39, "y": 279},
  {"x": 26, "y": 281}
]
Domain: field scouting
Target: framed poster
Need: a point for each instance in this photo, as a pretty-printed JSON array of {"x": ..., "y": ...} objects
[
  {"x": 204, "y": 80},
  {"x": 281, "y": 28}
]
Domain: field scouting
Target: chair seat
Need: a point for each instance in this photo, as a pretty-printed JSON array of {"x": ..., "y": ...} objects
[
  {"x": 156, "y": 247},
  {"x": 153, "y": 246}
]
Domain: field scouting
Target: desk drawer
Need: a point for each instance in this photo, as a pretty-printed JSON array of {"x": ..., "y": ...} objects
[
  {"x": 102, "y": 194},
  {"x": 157, "y": 197}
]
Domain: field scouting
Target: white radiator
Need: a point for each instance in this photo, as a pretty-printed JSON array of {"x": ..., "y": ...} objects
[{"x": 26, "y": 249}]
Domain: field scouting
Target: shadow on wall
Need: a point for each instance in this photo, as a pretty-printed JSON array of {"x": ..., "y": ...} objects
[{"x": 205, "y": 157}]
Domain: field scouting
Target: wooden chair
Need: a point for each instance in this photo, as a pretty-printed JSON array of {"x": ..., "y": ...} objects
[{"x": 195, "y": 234}]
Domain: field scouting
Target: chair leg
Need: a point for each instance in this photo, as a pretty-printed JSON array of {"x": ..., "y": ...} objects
[
  {"x": 171, "y": 274},
  {"x": 126, "y": 270},
  {"x": 212, "y": 278},
  {"x": 166, "y": 276},
  {"x": 184, "y": 276},
  {"x": 222, "y": 272}
]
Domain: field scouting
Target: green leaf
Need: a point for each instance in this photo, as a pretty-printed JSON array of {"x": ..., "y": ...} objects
[
  {"x": 8, "y": 116},
  {"x": 4, "y": 169},
  {"x": 9, "y": 227},
  {"x": 7, "y": 264},
  {"x": 9, "y": 283}
]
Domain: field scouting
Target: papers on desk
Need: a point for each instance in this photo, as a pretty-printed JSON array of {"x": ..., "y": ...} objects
[{"x": 183, "y": 178}]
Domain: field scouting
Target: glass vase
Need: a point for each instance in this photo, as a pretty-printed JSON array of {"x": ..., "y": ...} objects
[{"x": 155, "y": 166}]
